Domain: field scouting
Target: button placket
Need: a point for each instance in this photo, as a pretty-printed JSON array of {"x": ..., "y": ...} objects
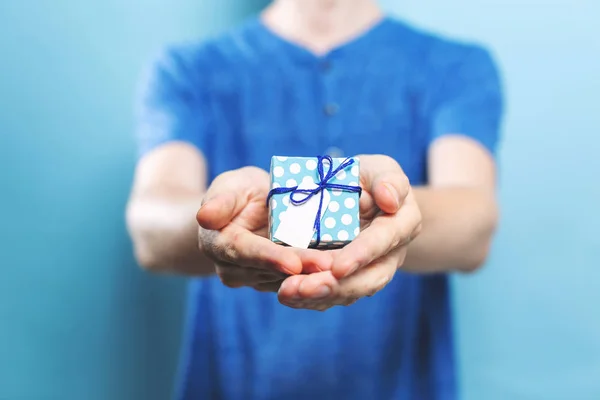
[{"x": 331, "y": 109}]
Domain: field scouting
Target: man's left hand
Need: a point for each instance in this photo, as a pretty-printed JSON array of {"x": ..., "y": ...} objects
[{"x": 390, "y": 220}]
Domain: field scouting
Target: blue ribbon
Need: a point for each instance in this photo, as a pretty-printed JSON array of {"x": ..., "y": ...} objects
[{"x": 323, "y": 184}]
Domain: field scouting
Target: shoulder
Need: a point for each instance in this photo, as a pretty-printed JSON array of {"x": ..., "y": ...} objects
[
  {"x": 195, "y": 60},
  {"x": 438, "y": 54}
]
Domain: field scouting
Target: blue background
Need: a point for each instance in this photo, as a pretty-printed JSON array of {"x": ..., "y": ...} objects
[
  {"x": 529, "y": 325},
  {"x": 79, "y": 321}
]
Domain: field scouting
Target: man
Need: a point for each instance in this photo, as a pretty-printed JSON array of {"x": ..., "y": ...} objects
[{"x": 312, "y": 77}]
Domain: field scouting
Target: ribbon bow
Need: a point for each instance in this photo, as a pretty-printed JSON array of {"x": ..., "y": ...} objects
[{"x": 323, "y": 184}]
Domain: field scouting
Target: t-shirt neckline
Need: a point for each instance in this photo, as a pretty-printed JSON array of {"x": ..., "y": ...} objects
[{"x": 354, "y": 43}]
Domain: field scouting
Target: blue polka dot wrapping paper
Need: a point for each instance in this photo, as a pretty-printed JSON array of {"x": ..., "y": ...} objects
[{"x": 340, "y": 221}]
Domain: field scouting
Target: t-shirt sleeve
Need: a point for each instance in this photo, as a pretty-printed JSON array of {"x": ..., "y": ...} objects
[
  {"x": 470, "y": 101},
  {"x": 168, "y": 106}
]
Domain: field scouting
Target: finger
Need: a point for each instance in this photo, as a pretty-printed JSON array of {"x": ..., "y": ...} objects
[
  {"x": 217, "y": 212},
  {"x": 288, "y": 292},
  {"x": 317, "y": 286},
  {"x": 371, "y": 279},
  {"x": 383, "y": 178},
  {"x": 289, "y": 296},
  {"x": 384, "y": 234},
  {"x": 229, "y": 193},
  {"x": 315, "y": 260},
  {"x": 368, "y": 208},
  {"x": 238, "y": 246},
  {"x": 364, "y": 283},
  {"x": 308, "y": 291}
]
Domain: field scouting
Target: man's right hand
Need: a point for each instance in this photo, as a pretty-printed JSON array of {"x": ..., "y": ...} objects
[{"x": 234, "y": 234}]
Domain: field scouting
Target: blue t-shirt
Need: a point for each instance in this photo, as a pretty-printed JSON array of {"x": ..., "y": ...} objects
[{"x": 248, "y": 95}]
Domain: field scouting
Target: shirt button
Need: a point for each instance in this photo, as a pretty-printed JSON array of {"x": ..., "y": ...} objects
[
  {"x": 331, "y": 109},
  {"x": 325, "y": 66},
  {"x": 335, "y": 152}
]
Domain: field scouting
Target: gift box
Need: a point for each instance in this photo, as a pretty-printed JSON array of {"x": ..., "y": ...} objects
[{"x": 314, "y": 201}]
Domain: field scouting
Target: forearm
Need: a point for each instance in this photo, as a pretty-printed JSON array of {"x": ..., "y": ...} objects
[
  {"x": 165, "y": 233},
  {"x": 458, "y": 226}
]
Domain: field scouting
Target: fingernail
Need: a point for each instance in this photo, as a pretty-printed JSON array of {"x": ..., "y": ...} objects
[
  {"x": 204, "y": 201},
  {"x": 283, "y": 286},
  {"x": 322, "y": 291},
  {"x": 393, "y": 193},
  {"x": 351, "y": 269}
]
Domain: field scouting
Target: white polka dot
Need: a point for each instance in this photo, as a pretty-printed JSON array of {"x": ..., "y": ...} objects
[
  {"x": 336, "y": 192},
  {"x": 341, "y": 175},
  {"x": 330, "y": 222},
  {"x": 295, "y": 168},
  {"x": 308, "y": 180},
  {"x": 273, "y": 204},
  {"x": 353, "y": 183},
  {"x": 349, "y": 202},
  {"x": 342, "y": 235},
  {"x": 356, "y": 231},
  {"x": 282, "y": 216},
  {"x": 278, "y": 171},
  {"x": 275, "y": 185},
  {"x": 286, "y": 200},
  {"x": 280, "y": 158},
  {"x": 311, "y": 164},
  {"x": 354, "y": 170},
  {"x": 346, "y": 219},
  {"x": 326, "y": 238},
  {"x": 334, "y": 206},
  {"x": 291, "y": 183}
]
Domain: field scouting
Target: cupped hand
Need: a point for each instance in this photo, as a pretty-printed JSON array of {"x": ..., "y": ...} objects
[
  {"x": 233, "y": 233},
  {"x": 390, "y": 219}
]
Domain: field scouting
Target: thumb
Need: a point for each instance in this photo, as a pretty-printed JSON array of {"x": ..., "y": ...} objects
[
  {"x": 229, "y": 194},
  {"x": 218, "y": 211},
  {"x": 383, "y": 178}
]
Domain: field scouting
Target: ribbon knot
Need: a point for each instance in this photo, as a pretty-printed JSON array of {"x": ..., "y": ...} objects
[{"x": 323, "y": 184}]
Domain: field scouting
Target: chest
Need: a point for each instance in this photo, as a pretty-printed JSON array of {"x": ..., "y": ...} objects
[{"x": 323, "y": 108}]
